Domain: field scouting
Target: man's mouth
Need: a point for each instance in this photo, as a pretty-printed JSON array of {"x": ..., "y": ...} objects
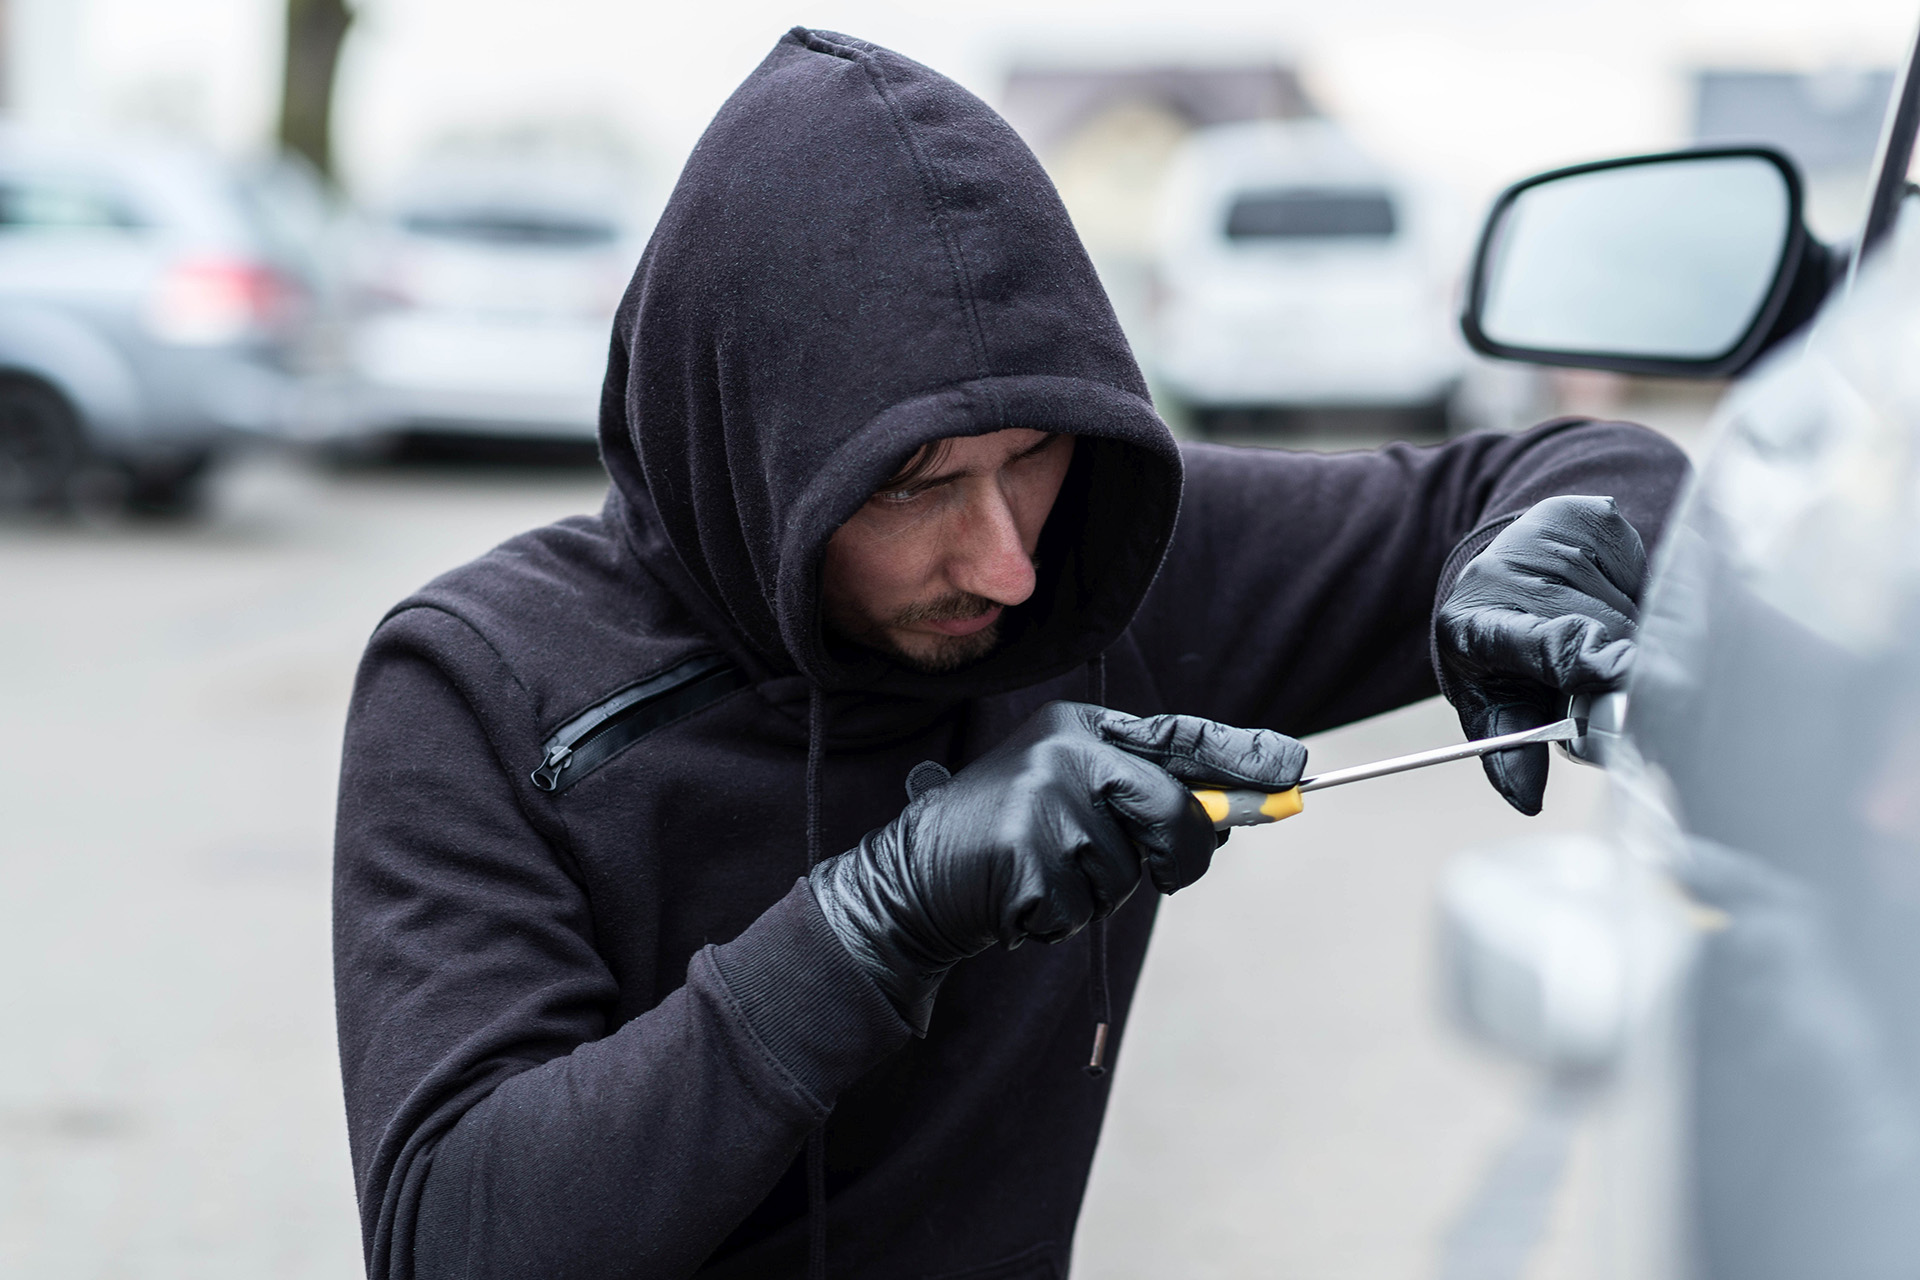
[{"x": 964, "y": 626}]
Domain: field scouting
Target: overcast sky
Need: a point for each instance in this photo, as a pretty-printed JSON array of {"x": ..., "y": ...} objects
[{"x": 1473, "y": 91}]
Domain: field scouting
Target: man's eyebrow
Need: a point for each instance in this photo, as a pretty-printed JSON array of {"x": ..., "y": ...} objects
[
  {"x": 1040, "y": 446},
  {"x": 948, "y": 477}
]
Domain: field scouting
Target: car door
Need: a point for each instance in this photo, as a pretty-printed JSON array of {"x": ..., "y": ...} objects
[{"x": 1725, "y": 979}]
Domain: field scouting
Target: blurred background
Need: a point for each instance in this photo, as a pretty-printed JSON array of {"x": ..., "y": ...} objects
[{"x": 304, "y": 301}]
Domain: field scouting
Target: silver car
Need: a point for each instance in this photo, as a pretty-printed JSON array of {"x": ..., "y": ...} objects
[
  {"x": 484, "y": 294},
  {"x": 1724, "y": 986},
  {"x": 154, "y": 305},
  {"x": 1297, "y": 273}
]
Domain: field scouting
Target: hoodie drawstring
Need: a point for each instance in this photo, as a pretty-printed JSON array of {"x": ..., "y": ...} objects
[
  {"x": 816, "y": 747},
  {"x": 817, "y": 1204},
  {"x": 1099, "y": 994},
  {"x": 817, "y": 1140}
]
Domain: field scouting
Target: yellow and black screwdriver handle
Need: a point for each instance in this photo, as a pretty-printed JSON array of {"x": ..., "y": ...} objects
[{"x": 1248, "y": 808}]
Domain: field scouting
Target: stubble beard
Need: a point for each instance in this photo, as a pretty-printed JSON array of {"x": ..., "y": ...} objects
[{"x": 937, "y": 654}]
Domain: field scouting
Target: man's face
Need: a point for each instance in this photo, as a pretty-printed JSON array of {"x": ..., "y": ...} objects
[{"x": 925, "y": 568}]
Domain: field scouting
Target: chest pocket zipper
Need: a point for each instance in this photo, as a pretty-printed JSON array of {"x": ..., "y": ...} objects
[{"x": 616, "y": 722}]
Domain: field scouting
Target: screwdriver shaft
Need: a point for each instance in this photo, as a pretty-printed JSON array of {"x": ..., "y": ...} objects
[
  {"x": 1241, "y": 808},
  {"x": 1559, "y": 731}
]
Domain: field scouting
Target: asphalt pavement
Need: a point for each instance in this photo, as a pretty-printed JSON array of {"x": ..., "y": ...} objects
[{"x": 1289, "y": 1101}]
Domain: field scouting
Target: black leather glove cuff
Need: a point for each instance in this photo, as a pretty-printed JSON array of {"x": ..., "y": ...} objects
[{"x": 865, "y": 928}]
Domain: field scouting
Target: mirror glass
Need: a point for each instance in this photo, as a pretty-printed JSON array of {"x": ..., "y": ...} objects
[{"x": 1670, "y": 259}]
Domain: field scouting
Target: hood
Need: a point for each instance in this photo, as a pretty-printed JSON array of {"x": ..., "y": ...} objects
[{"x": 861, "y": 257}]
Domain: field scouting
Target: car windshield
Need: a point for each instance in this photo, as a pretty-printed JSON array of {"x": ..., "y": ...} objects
[
  {"x": 523, "y": 227},
  {"x": 1310, "y": 213}
]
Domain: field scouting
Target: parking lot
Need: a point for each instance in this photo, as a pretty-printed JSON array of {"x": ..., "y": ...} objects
[{"x": 1289, "y": 1101}]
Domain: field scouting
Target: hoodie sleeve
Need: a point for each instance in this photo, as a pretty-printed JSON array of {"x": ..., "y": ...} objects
[
  {"x": 1299, "y": 590},
  {"x": 500, "y": 1125}
]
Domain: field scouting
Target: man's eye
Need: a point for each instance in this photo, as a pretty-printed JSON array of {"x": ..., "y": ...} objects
[
  {"x": 898, "y": 498},
  {"x": 1046, "y": 447}
]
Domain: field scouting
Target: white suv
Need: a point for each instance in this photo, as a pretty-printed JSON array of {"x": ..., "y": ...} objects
[{"x": 1295, "y": 272}]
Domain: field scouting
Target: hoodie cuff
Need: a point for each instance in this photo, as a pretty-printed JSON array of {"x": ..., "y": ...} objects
[{"x": 805, "y": 999}]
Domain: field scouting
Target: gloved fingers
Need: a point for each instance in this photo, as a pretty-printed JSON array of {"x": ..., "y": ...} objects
[
  {"x": 1103, "y": 846},
  {"x": 1583, "y": 542},
  {"x": 1549, "y": 598},
  {"x": 1519, "y": 774},
  {"x": 1046, "y": 908},
  {"x": 1506, "y": 709},
  {"x": 1490, "y": 587},
  {"x": 1592, "y": 538},
  {"x": 1206, "y": 752},
  {"x": 1571, "y": 653},
  {"x": 1581, "y": 659},
  {"x": 1090, "y": 868},
  {"x": 1159, "y": 815},
  {"x": 1543, "y": 591}
]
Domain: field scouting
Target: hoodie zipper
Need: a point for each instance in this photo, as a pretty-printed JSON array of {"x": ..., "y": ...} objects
[{"x": 609, "y": 726}]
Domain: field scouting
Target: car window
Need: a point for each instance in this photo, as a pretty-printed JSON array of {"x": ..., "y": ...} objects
[
  {"x": 1309, "y": 213},
  {"x": 50, "y": 203},
  {"x": 532, "y": 228}
]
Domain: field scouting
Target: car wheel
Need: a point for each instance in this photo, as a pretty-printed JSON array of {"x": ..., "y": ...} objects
[
  {"x": 166, "y": 489},
  {"x": 41, "y": 446}
]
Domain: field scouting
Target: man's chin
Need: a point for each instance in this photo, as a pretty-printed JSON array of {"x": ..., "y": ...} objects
[{"x": 937, "y": 654}]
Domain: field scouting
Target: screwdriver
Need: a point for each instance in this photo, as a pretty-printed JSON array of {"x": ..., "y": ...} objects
[{"x": 1255, "y": 808}]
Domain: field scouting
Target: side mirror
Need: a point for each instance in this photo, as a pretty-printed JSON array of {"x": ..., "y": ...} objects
[{"x": 1688, "y": 264}]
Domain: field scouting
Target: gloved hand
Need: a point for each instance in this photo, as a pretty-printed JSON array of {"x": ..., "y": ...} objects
[
  {"x": 1548, "y": 610},
  {"x": 1039, "y": 836}
]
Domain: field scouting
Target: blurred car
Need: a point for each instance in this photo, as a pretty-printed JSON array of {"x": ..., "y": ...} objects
[
  {"x": 154, "y": 304},
  {"x": 1725, "y": 977},
  {"x": 1295, "y": 272},
  {"x": 484, "y": 300}
]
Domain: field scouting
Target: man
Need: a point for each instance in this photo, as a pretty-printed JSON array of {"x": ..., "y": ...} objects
[{"x": 632, "y": 912}]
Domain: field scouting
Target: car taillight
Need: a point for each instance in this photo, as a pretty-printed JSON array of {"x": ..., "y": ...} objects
[{"x": 208, "y": 301}]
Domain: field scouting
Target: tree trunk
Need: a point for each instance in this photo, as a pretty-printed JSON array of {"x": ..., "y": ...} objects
[{"x": 315, "y": 30}]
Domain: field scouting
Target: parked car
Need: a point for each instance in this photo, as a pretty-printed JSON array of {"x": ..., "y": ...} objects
[
  {"x": 1725, "y": 978},
  {"x": 154, "y": 305},
  {"x": 485, "y": 293},
  {"x": 1296, "y": 272}
]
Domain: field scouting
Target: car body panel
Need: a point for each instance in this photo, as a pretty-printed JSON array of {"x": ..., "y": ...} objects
[{"x": 1776, "y": 726}]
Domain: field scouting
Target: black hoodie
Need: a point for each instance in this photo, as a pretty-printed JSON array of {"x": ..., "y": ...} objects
[{"x": 589, "y": 1014}]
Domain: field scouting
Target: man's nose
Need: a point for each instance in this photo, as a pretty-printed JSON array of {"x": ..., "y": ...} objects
[{"x": 988, "y": 557}]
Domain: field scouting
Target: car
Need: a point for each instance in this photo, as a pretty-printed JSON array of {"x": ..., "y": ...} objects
[
  {"x": 484, "y": 290},
  {"x": 1723, "y": 979},
  {"x": 1297, "y": 273},
  {"x": 156, "y": 304}
]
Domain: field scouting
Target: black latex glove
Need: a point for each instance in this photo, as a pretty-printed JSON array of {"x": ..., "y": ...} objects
[
  {"x": 1039, "y": 836},
  {"x": 1548, "y": 610}
]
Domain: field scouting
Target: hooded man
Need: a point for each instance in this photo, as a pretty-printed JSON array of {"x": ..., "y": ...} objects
[{"x": 889, "y": 504}]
